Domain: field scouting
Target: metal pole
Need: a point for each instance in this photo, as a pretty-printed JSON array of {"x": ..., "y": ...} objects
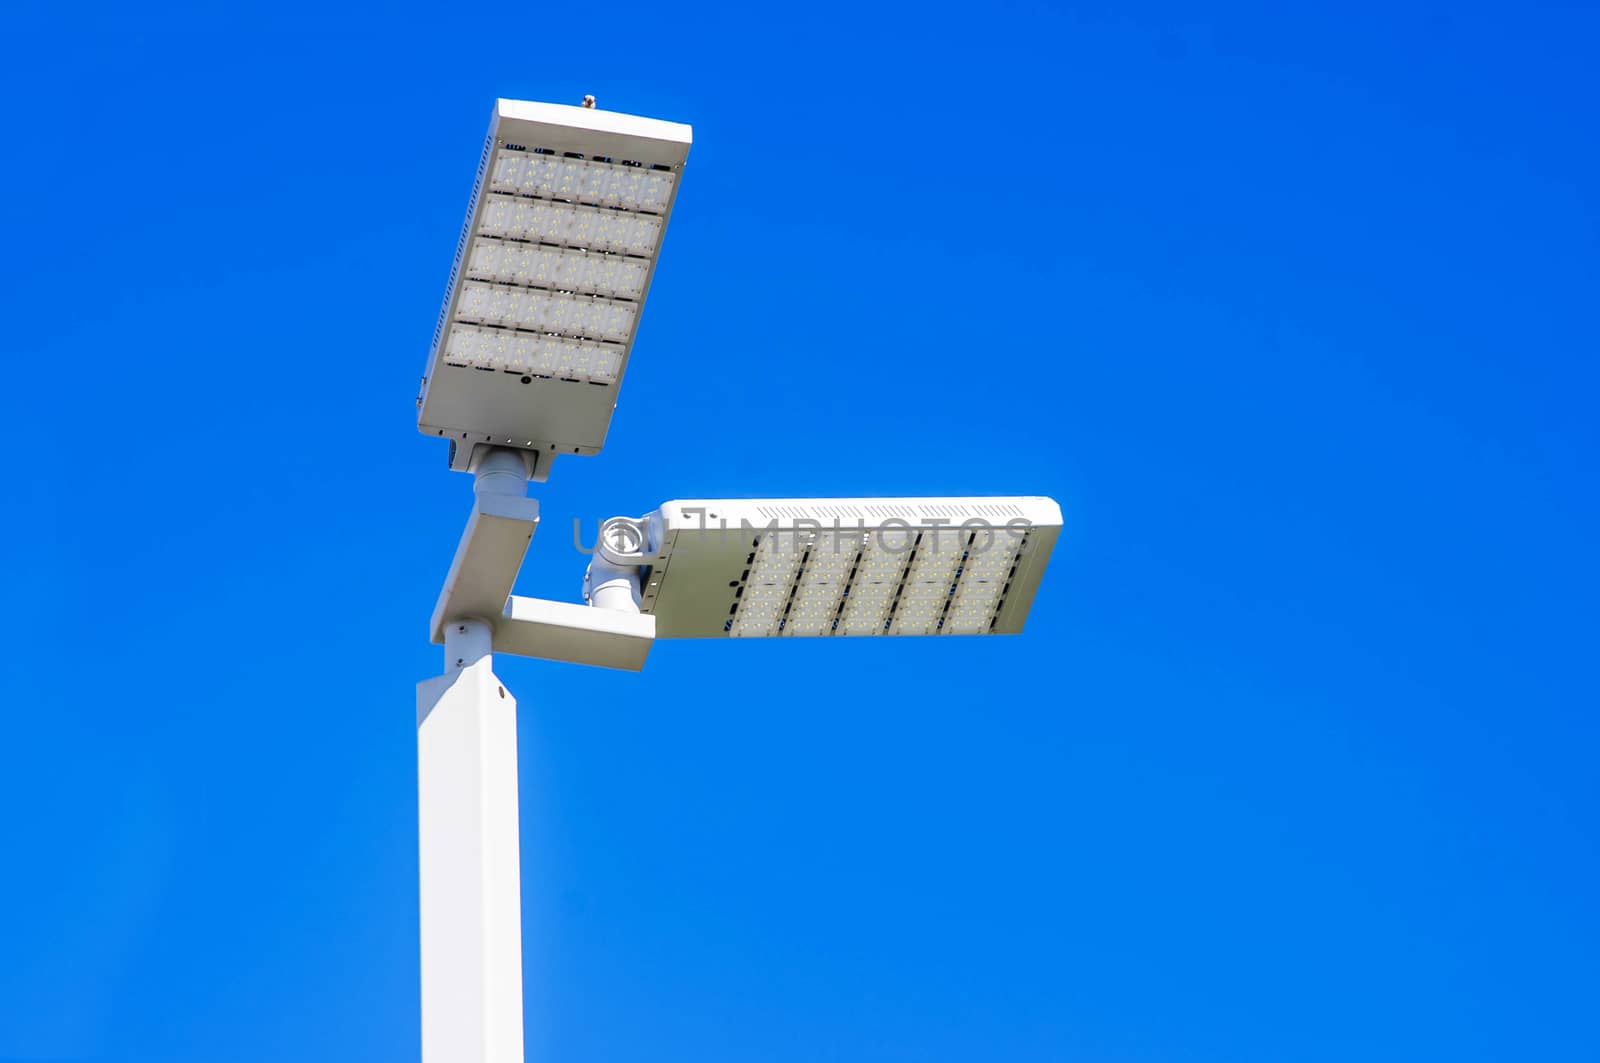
[{"x": 468, "y": 850}]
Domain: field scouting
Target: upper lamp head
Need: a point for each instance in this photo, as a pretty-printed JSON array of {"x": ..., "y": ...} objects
[{"x": 550, "y": 275}]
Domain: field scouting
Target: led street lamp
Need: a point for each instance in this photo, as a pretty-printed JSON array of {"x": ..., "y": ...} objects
[
  {"x": 839, "y": 566},
  {"x": 550, "y": 274},
  {"x": 549, "y": 279}
]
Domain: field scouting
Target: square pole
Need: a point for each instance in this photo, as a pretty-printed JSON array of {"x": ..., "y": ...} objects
[{"x": 469, "y": 854}]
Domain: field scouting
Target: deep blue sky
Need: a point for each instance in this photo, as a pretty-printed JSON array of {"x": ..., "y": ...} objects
[{"x": 1292, "y": 310}]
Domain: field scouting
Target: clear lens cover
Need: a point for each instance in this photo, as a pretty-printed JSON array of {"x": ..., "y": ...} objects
[
  {"x": 563, "y": 269},
  {"x": 810, "y": 583},
  {"x": 990, "y": 558},
  {"x": 541, "y": 311},
  {"x": 521, "y": 352},
  {"x": 545, "y": 221},
  {"x": 761, "y": 605},
  {"x": 973, "y": 606},
  {"x": 607, "y": 184}
]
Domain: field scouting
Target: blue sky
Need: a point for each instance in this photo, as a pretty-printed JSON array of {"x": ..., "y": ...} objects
[{"x": 1292, "y": 310}]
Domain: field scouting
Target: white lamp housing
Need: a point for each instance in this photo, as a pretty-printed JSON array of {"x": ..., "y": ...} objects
[
  {"x": 844, "y": 566},
  {"x": 550, "y": 274}
]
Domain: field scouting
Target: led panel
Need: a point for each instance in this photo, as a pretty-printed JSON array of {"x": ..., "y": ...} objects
[
  {"x": 545, "y": 221},
  {"x": 526, "y": 354},
  {"x": 625, "y": 185},
  {"x": 930, "y": 585},
  {"x": 752, "y": 568},
  {"x": 820, "y": 587},
  {"x": 556, "y": 268},
  {"x": 547, "y": 313},
  {"x": 555, "y": 259}
]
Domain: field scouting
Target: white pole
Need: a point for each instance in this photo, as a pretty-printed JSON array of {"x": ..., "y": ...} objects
[
  {"x": 468, "y": 849},
  {"x": 469, "y": 858}
]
